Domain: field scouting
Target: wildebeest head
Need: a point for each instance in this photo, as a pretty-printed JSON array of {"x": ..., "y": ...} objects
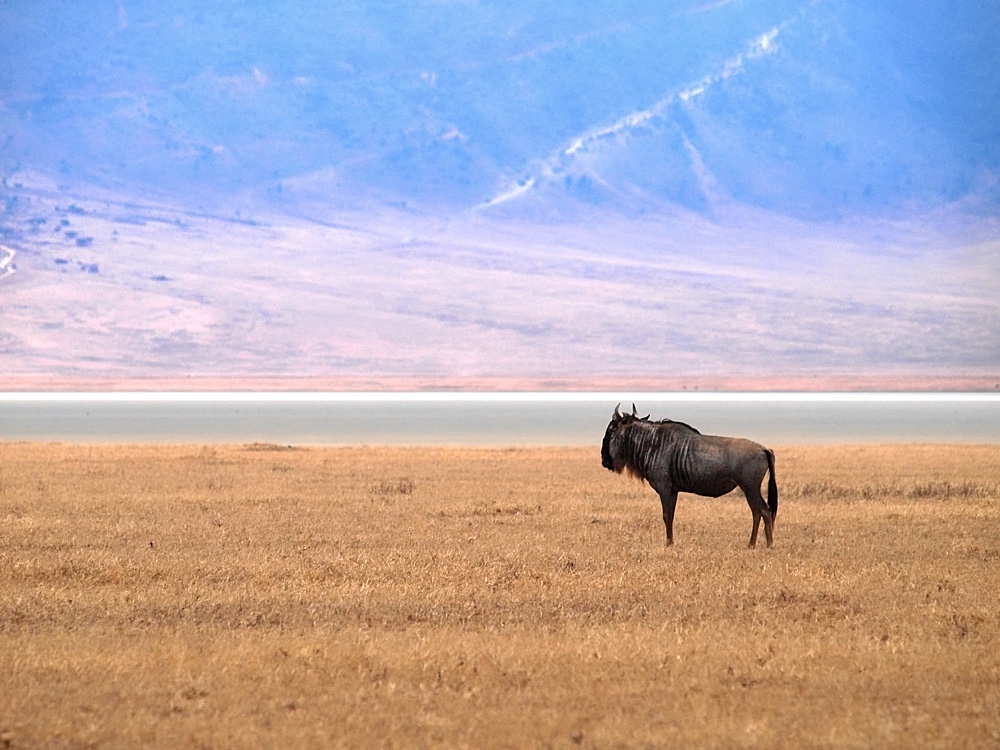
[{"x": 610, "y": 456}]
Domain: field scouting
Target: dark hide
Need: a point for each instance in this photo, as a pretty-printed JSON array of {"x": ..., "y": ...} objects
[{"x": 674, "y": 457}]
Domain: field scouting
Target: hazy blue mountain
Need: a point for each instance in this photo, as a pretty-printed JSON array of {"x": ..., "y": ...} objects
[{"x": 817, "y": 109}]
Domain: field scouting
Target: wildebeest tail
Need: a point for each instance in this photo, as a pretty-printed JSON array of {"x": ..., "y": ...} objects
[{"x": 772, "y": 485}]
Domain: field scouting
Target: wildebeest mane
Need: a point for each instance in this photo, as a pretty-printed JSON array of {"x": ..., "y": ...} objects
[
  {"x": 640, "y": 443},
  {"x": 673, "y": 421}
]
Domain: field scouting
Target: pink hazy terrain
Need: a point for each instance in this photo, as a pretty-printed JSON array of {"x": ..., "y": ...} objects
[
  {"x": 108, "y": 294},
  {"x": 43, "y": 383}
]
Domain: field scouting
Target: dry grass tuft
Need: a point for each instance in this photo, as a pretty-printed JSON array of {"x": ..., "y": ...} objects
[
  {"x": 269, "y": 447},
  {"x": 389, "y": 488},
  {"x": 255, "y": 596}
]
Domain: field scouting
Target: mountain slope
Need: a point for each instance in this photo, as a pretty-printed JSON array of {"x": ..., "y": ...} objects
[{"x": 812, "y": 109}]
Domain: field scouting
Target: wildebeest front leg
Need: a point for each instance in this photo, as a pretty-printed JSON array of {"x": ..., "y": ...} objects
[{"x": 668, "y": 499}]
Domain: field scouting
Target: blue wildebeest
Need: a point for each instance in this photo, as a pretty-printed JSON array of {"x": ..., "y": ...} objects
[{"x": 674, "y": 457}]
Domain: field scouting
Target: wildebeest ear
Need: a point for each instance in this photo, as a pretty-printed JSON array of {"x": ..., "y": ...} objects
[{"x": 618, "y": 413}]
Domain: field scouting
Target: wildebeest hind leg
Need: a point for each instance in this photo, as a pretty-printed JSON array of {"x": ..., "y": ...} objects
[
  {"x": 756, "y": 525},
  {"x": 759, "y": 510}
]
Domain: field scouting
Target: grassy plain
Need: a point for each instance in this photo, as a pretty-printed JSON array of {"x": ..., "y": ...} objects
[{"x": 257, "y": 596}]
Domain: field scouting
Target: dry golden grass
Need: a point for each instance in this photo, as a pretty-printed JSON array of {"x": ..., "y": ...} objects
[{"x": 251, "y": 596}]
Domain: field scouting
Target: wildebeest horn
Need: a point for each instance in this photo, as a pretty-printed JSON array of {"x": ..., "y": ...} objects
[
  {"x": 633, "y": 411},
  {"x": 618, "y": 413}
]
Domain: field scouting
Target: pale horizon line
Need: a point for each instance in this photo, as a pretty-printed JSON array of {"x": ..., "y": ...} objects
[{"x": 625, "y": 397}]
